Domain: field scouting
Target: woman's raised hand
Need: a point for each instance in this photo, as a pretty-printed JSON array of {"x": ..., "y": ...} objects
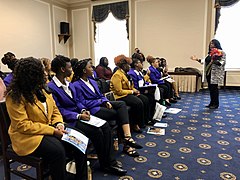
[{"x": 194, "y": 58}]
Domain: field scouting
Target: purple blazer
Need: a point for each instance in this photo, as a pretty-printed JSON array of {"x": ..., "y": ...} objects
[
  {"x": 136, "y": 78},
  {"x": 155, "y": 76},
  {"x": 68, "y": 107},
  {"x": 7, "y": 80},
  {"x": 94, "y": 76},
  {"x": 92, "y": 101}
]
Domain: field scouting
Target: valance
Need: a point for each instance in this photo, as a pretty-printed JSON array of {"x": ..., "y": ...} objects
[
  {"x": 119, "y": 10},
  {"x": 226, "y": 2}
]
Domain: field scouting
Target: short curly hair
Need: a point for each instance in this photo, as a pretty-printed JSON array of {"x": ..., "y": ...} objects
[
  {"x": 28, "y": 77},
  {"x": 122, "y": 59},
  {"x": 58, "y": 62}
]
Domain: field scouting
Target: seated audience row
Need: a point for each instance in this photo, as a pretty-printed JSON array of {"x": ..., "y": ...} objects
[
  {"x": 38, "y": 119},
  {"x": 36, "y": 123}
]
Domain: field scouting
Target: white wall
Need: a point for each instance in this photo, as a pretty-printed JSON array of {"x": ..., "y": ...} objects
[
  {"x": 27, "y": 29},
  {"x": 172, "y": 29}
]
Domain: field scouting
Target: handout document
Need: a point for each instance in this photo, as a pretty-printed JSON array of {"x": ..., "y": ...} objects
[
  {"x": 94, "y": 121},
  {"x": 172, "y": 110},
  {"x": 76, "y": 138}
]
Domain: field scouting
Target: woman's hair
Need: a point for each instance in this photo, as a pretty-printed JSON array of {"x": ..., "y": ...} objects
[
  {"x": 78, "y": 69},
  {"x": 121, "y": 60},
  {"x": 134, "y": 62},
  {"x": 10, "y": 60},
  {"x": 151, "y": 59},
  {"x": 138, "y": 56},
  {"x": 73, "y": 61},
  {"x": 101, "y": 62},
  {"x": 162, "y": 62},
  {"x": 28, "y": 78},
  {"x": 58, "y": 62},
  {"x": 216, "y": 45},
  {"x": 46, "y": 62}
]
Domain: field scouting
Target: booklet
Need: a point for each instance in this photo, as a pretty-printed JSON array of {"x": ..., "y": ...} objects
[
  {"x": 155, "y": 130},
  {"x": 76, "y": 138},
  {"x": 170, "y": 80},
  {"x": 94, "y": 121},
  {"x": 172, "y": 110},
  {"x": 163, "y": 125},
  {"x": 165, "y": 77}
]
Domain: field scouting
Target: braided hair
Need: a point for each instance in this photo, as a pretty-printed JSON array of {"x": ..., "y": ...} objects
[{"x": 78, "y": 69}]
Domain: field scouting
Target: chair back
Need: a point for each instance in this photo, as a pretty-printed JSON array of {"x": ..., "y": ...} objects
[
  {"x": 4, "y": 125},
  {"x": 103, "y": 85}
]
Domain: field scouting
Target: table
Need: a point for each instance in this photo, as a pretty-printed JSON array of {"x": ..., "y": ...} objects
[{"x": 187, "y": 81}]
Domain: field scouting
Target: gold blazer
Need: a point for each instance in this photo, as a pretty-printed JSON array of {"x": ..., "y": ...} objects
[
  {"x": 29, "y": 123},
  {"x": 120, "y": 85}
]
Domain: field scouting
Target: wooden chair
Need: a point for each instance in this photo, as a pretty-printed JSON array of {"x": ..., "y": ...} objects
[{"x": 9, "y": 156}]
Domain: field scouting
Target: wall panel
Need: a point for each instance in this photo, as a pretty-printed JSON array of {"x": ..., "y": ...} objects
[
  {"x": 25, "y": 28},
  {"x": 81, "y": 33}
]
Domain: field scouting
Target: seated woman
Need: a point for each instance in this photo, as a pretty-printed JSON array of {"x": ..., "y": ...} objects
[
  {"x": 155, "y": 77},
  {"x": 89, "y": 94},
  {"x": 139, "y": 81},
  {"x": 102, "y": 70},
  {"x": 163, "y": 68},
  {"x": 36, "y": 123},
  {"x": 10, "y": 60},
  {"x": 123, "y": 88},
  {"x": 74, "y": 112},
  {"x": 94, "y": 74}
]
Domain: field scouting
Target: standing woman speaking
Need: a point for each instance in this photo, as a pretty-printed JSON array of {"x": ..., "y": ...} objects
[{"x": 214, "y": 65}]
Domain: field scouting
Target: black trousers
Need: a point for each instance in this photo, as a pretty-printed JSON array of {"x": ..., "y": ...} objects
[
  {"x": 152, "y": 104},
  {"x": 53, "y": 151},
  {"x": 102, "y": 140},
  {"x": 165, "y": 90},
  {"x": 170, "y": 88},
  {"x": 118, "y": 112},
  {"x": 139, "y": 113},
  {"x": 214, "y": 93}
]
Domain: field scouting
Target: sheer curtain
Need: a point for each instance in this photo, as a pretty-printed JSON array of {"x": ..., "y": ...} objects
[
  {"x": 111, "y": 39},
  {"x": 228, "y": 33}
]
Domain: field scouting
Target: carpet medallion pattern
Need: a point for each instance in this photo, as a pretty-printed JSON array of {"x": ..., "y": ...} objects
[{"x": 199, "y": 144}]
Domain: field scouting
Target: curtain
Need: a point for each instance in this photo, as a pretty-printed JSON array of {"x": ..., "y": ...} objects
[
  {"x": 119, "y": 10},
  {"x": 218, "y": 4}
]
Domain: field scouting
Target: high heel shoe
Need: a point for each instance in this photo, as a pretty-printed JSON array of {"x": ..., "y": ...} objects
[
  {"x": 130, "y": 141},
  {"x": 167, "y": 103},
  {"x": 178, "y": 97},
  {"x": 132, "y": 152},
  {"x": 213, "y": 106},
  {"x": 173, "y": 101}
]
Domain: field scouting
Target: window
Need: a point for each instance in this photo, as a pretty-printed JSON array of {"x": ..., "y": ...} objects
[
  {"x": 111, "y": 40},
  {"x": 228, "y": 33}
]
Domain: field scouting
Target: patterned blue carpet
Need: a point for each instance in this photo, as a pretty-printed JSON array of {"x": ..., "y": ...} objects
[{"x": 200, "y": 144}]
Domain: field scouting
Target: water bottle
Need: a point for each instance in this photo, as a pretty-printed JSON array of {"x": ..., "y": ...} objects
[
  {"x": 115, "y": 144},
  {"x": 89, "y": 171}
]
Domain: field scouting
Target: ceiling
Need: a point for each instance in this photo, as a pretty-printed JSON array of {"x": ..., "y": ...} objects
[{"x": 75, "y": 1}]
